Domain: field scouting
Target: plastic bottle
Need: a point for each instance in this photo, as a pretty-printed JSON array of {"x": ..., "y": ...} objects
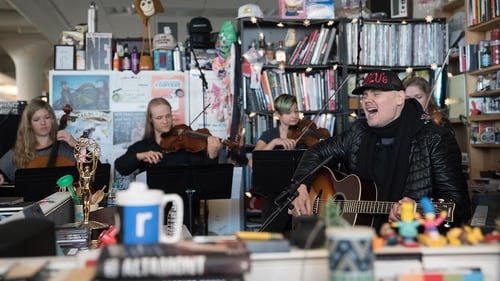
[
  {"x": 126, "y": 58},
  {"x": 92, "y": 18},
  {"x": 182, "y": 51},
  {"x": 112, "y": 194},
  {"x": 134, "y": 60},
  {"x": 116, "y": 62},
  {"x": 177, "y": 59}
]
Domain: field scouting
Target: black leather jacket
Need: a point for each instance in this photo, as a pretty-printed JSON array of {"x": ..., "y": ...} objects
[{"x": 435, "y": 164}]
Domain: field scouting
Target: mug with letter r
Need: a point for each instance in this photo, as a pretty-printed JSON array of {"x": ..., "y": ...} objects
[{"x": 140, "y": 215}]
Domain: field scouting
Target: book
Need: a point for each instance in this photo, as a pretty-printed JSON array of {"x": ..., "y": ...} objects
[
  {"x": 182, "y": 259},
  {"x": 330, "y": 43}
]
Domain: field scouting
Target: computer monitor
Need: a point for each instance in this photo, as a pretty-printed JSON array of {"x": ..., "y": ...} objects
[
  {"x": 272, "y": 170},
  {"x": 34, "y": 184}
]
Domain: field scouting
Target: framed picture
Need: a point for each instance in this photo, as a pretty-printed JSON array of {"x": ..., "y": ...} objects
[
  {"x": 172, "y": 25},
  {"x": 64, "y": 57}
]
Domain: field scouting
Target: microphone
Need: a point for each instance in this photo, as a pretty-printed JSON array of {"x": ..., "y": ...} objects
[
  {"x": 286, "y": 197},
  {"x": 292, "y": 189}
]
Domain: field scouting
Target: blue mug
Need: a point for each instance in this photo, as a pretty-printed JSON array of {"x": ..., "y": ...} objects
[{"x": 140, "y": 216}]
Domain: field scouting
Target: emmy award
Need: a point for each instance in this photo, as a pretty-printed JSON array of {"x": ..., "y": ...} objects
[{"x": 87, "y": 152}]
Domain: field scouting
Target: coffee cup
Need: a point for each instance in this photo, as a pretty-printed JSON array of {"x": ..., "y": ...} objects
[
  {"x": 351, "y": 253},
  {"x": 140, "y": 215}
]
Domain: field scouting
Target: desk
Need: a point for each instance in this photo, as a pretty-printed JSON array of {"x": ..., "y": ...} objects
[{"x": 299, "y": 265}]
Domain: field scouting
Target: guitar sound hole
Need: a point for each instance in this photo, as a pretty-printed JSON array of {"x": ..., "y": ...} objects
[{"x": 339, "y": 199}]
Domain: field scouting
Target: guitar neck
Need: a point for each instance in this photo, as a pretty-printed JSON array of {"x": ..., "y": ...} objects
[
  {"x": 380, "y": 207},
  {"x": 364, "y": 207}
]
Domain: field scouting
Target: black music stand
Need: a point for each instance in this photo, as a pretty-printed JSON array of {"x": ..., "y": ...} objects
[
  {"x": 272, "y": 170},
  {"x": 194, "y": 183}
]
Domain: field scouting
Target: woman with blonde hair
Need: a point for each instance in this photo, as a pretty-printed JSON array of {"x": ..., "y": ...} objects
[{"x": 36, "y": 134}]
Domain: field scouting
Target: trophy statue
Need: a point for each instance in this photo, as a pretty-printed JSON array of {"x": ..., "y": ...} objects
[{"x": 87, "y": 152}]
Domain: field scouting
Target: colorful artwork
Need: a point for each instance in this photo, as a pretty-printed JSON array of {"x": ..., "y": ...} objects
[
  {"x": 172, "y": 87},
  {"x": 82, "y": 92}
]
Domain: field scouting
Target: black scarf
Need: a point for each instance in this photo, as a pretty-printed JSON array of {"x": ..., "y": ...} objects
[{"x": 402, "y": 130}]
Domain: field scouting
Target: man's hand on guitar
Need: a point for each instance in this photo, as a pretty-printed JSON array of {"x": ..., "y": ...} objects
[
  {"x": 301, "y": 204},
  {"x": 395, "y": 214}
]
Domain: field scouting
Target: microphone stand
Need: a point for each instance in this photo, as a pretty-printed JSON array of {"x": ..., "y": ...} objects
[
  {"x": 289, "y": 194},
  {"x": 204, "y": 84}
]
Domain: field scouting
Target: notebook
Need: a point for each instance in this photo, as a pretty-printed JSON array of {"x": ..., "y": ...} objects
[{"x": 34, "y": 184}]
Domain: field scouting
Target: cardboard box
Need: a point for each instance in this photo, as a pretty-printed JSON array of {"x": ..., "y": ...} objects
[
  {"x": 320, "y": 9},
  {"x": 292, "y": 9},
  {"x": 98, "y": 48}
]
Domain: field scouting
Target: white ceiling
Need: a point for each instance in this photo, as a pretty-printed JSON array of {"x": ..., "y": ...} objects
[{"x": 47, "y": 18}]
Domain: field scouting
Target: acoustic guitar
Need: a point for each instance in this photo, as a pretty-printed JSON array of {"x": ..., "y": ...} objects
[{"x": 357, "y": 198}]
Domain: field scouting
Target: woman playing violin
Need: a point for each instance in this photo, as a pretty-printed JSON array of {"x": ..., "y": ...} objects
[
  {"x": 148, "y": 151},
  {"x": 37, "y": 132},
  {"x": 419, "y": 89},
  {"x": 287, "y": 113}
]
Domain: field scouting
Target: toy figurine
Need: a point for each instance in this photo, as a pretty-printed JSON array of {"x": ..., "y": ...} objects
[
  {"x": 408, "y": 225},
  {"x": 453, "y": 236},
  {"x": 389, "y": 235},
  {"x": 431, "y": 236}
]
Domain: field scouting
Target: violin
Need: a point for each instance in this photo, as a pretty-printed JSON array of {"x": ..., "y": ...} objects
[
  {"x": 183, "y": 137},
  {"x": 306, "y": 132},
  {"x": 438, "y": 117},
  {"x": 54, "y": 160}
]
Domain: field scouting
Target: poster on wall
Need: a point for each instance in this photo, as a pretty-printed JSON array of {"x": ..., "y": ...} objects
[
  {"x": 129, "y": 91},
  {"x": 172, "y": 87},
  {"x": 128, "y": 128},
  {"x": 217, "y": 100},
  {"x": 82, "y": 91},
  {"x": 215, "y": 116},
  {"x": 98, "y": 125}
]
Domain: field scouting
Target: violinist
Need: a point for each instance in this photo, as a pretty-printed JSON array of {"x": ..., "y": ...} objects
[
  {"x": 419, "y": 89},
  {"x": 148, "y": 152},
  {"x": 287, "y": 113},
  {"x": 36, "y": 134}
]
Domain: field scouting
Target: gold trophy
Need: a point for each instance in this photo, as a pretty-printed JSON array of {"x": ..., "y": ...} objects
[{"x": 87, "y": 152}]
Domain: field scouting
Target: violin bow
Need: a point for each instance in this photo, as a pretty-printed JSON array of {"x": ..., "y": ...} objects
[
  {"x": 323, "y": 109},
  {"x": 431, "y": 95},
  {"x": 199, "y": 114}
]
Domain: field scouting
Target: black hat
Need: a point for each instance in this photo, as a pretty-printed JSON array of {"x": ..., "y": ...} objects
[{"x": 380, "y": 80}]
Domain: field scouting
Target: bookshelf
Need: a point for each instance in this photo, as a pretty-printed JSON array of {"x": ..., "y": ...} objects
[
  {"x": 484, "y": 150},
  {"x": 310, "y": 72}
]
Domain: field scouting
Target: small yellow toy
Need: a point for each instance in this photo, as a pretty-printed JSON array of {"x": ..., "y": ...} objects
[{"x": 408, "y": 225}]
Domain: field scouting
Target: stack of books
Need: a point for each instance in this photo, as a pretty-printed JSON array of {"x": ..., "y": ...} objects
[
  {"x": 71, "y": 238},
  {"x": 185, "y": 260}
]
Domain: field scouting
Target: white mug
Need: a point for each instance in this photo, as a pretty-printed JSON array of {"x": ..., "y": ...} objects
[{"x": 140, "y": 215}]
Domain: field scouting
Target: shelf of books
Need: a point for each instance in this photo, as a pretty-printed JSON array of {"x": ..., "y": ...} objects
[
  {"x": 308, "y": 70},
  {"x": 481, "y": 60}
]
